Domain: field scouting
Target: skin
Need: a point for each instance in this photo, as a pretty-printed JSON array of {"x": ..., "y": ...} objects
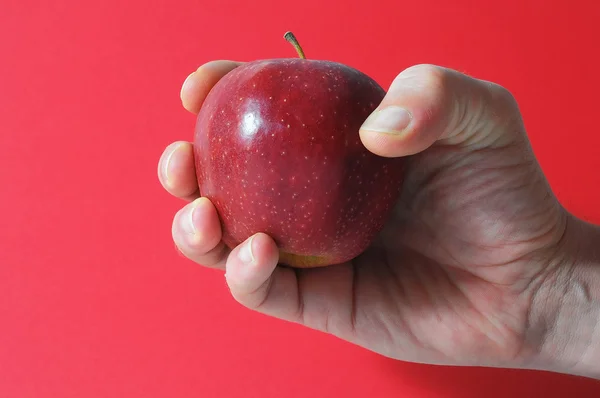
[{"x": 465, "y": 269}]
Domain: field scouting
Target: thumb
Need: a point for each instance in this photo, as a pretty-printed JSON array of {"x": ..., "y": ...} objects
[{"x": 427, "y": 103}]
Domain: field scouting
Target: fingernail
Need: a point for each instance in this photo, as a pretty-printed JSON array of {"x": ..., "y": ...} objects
[
  {"x": 245, "y": 253},
  {"x": 392, "y": 119},
  {"x": 167, "y": 162},
  {"x": 187, "y": 219},
  {"x": 183, "y": 86}
]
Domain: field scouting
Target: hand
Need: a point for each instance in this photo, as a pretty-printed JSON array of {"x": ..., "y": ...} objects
[{"x": 458, "y": 267}]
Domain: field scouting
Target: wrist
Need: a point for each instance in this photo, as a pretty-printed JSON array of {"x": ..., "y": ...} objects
[{"x": 566, "y": 307}]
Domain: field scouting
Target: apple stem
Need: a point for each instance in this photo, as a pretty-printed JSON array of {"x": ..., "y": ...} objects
[{"x": 289, "y": 36}]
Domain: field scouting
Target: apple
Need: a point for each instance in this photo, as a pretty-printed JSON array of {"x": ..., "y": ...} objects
[{"x": 277, "y": 150}]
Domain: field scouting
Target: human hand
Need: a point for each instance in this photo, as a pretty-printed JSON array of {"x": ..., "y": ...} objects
[{"x": 456, "y": 273}]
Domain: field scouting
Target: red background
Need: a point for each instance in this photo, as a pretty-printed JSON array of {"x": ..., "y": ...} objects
[{"x": 94, "y": 301}]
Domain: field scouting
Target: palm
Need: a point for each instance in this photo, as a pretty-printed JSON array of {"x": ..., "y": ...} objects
[{"x": 453, "y": 279}]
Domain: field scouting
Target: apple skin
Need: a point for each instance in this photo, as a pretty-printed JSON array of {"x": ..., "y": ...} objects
[{"x": 277, "y": 150}]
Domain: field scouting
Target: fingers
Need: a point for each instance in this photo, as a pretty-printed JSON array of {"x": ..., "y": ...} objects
[
  {"x": 427, "y": 103},
  {"x": 197, "y": 234},
  {"x": 198, "y": 84},
  {"x": 256, "y": 282},
  {"x": 196, "y": 228},
  {"x": 176, "y": 170},
  {"x": 319, "y": 298}
]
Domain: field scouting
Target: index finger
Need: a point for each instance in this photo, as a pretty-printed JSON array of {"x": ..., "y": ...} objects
[{"x": 198, "y": 84}]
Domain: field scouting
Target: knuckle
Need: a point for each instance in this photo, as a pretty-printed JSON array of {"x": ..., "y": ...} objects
[
  {"x": 507, "y": 98},
  {"x": 251, "y": 297},
  {"x": 502, "y": 99},
  {"x": 427, "y": 75}
]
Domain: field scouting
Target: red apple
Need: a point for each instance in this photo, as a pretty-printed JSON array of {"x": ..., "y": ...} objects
[{"x": 277, "y": 150}]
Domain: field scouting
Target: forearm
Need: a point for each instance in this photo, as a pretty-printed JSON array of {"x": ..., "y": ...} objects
[{"x": 566, "y": 307}]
